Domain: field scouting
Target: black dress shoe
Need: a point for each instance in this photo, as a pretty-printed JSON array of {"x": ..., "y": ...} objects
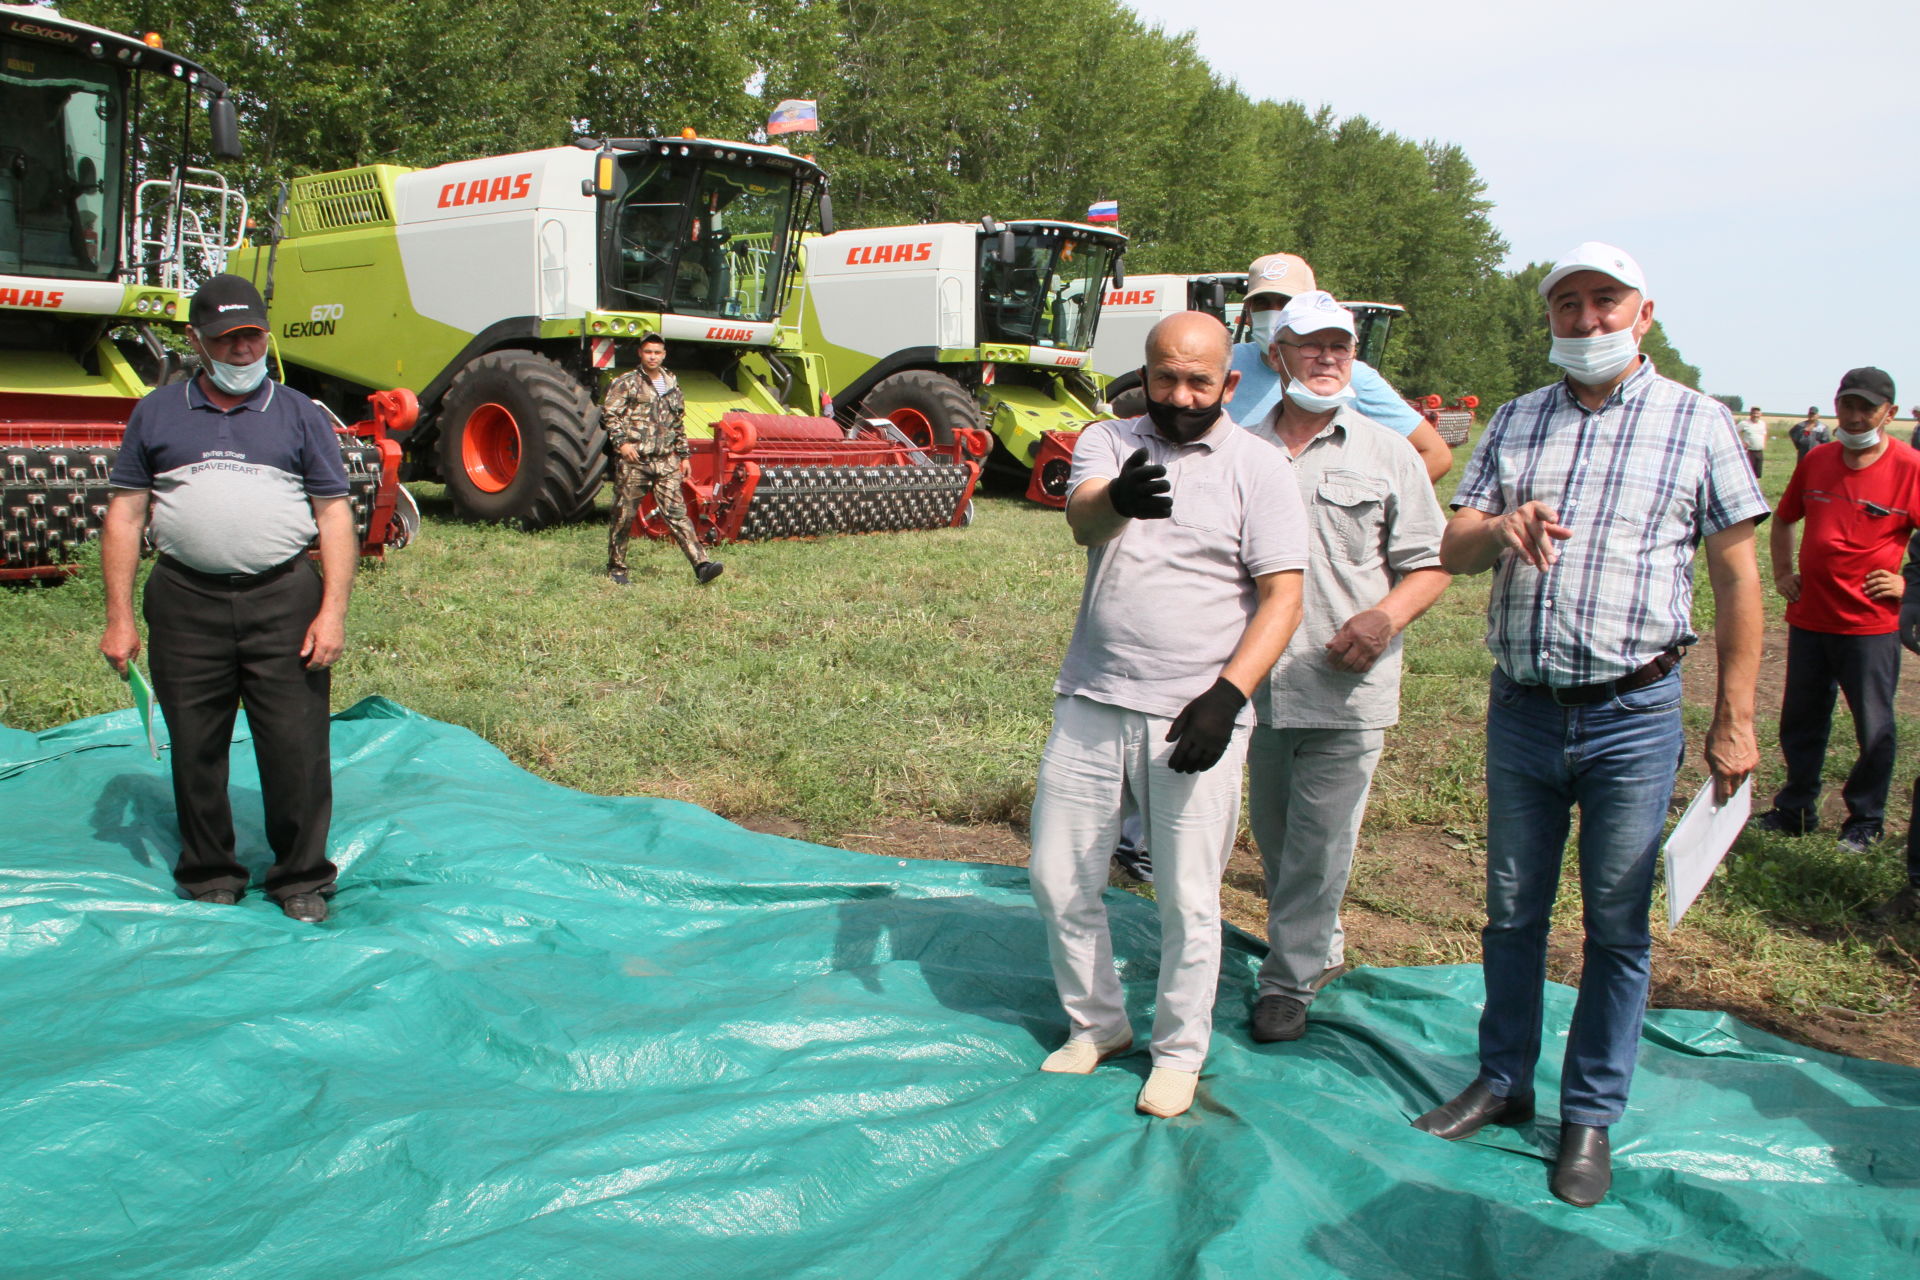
[
  {"x": 310, "y": 907},
  {"x": 1584, "y": 1168},
  {"x": 1277, "y": 1018},
  {"x": 1475, "y": 1107}
]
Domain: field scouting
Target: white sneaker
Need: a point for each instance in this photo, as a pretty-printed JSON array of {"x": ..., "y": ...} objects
[
  {"x": 1167, "y": 1092},
  {"x": 1080, "y": 1057}
]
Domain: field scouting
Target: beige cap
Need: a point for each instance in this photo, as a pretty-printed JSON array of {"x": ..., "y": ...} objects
[{"x": 1286, "y": 274}]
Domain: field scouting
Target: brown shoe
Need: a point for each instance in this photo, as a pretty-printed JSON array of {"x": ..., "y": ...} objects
[{"x": 310, "y": 907}]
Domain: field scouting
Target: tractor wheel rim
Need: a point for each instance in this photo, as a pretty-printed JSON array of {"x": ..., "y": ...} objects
[
  {"x": 913, "y": 424},
  {"x": 490, "y": 448}
]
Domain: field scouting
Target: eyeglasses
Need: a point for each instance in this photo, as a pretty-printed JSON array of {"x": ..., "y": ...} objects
[{"x": 1342, "y": 351}]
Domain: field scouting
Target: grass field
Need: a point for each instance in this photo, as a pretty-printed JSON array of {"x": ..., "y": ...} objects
[{"x": 892, "y": 693}]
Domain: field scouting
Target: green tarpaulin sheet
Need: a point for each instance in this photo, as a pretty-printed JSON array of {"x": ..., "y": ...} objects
[{"x": 552, "y": 1035}]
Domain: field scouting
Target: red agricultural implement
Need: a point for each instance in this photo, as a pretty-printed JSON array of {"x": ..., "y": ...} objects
[
  {"x": 56, "y": 452},
  {"x": 1453, "y": 422},
  {"x": 775, "y": 476}
]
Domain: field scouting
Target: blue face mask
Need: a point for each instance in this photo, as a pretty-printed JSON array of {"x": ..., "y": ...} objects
[{"x": 236, "y": 379}]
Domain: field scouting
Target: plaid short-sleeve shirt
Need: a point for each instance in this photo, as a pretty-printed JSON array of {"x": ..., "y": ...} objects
[{"x": 1641, "y": 481}]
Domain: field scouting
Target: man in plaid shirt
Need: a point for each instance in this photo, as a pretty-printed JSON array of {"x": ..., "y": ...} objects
[{"x": 1587, "y": 499}]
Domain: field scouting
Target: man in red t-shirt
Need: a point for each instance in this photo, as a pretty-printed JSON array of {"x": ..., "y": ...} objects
[{"x": 1860, "y": 499}]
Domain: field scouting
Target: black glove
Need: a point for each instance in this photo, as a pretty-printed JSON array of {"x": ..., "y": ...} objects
[
  {"x": 1910, "y": 622},
  {"x": 1204, "y": 728},
  {"x": 1139, "y": 492}
]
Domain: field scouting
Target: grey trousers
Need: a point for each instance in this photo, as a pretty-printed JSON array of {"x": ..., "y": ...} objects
[
  {"x": 1307, "y": 791},
  {"x": 1095, "y": 755}
]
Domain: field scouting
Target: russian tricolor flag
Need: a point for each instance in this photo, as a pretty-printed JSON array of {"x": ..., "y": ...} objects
[
  {"x": 1103, "y": 211},
  {"x": 794, "y": 115}
]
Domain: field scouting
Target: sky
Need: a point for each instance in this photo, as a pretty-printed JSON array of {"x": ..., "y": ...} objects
[{"x": 1760, "y": 160}]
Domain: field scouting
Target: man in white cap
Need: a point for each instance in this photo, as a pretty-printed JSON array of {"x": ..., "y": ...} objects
[
  {"x": 1323, "y": 713},
  {"x": 1587, "y": 498},
  {"x": 1272, "y": 281},
  {"x": 1196, "y": 543}
]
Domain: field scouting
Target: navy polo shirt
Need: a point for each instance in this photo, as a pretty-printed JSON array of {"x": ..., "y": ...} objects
[{"x": 231, "y": 487}]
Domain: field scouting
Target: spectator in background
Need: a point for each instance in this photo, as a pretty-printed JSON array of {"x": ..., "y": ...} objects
[
  {"x": 1913, "y": 436},
  {"x": 1905, "y": 905},
  {"x": 1272, "y": 282},
  {"x": 1860, "y": 498},
  {"x": 1753, "y": 434},
  {"x": 1808, "y": 432},
  {"x": 1588, "y": 498}
]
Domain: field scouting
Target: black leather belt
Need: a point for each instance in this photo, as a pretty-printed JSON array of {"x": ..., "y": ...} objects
[
  {"x": 1583, "y": 695},
  {"x": 231, "y": 580}
]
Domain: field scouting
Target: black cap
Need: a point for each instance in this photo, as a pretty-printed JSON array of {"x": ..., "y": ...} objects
[
  {"x": 226, "y": 303},
  {"x": 1870, "y": 384}
]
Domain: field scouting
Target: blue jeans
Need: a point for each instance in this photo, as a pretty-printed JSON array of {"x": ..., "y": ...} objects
[{"x": 1617, "y": 760}]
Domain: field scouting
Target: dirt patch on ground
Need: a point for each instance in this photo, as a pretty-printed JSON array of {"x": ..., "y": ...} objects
[{"x": 1416, "y": 898}]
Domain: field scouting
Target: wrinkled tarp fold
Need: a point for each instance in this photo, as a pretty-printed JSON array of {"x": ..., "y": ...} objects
[{"x": 549, "y": 1034}]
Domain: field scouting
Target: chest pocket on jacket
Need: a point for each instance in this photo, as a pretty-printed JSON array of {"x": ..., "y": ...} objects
[{"x": 1348, "y": 511}]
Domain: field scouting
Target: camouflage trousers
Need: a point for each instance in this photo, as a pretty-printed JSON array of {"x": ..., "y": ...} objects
[{"x": 632, "y": 481}]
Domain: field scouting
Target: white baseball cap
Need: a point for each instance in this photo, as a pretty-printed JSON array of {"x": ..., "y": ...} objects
[
  {"x": 1596, "y": 256},
  {"x": 1314, "y": 310}
]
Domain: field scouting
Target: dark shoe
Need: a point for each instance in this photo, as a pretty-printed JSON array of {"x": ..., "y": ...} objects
[
  {"x": 1137, "y": 863},
  {"x": 619, "y": 577},
  {"x": 1328, "y": 975},
  {"x": 310, "y": 907},
  {"x": 1860, "y": 835},
  {"x": 1902, "y": 906},
  {"x": 1583, "y": 1170},
  {"x": 1788, "y": 822},
  {"x": 1277, "y": 1018},
  {"x": 218, "y": 897},
  {"x": 707, "y": 570},
  {"x": 1475, "y": 1107}
]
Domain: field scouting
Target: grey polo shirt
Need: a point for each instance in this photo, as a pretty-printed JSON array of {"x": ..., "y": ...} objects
[
  {"x": 232, "y": 488},
  {"x": 1374, "y": 520},
  {"x": 1166, "y": 601}
]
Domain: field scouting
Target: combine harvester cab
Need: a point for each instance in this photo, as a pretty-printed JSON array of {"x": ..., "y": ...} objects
[
  {"x": 949, "y": 328},
  {"x": 507, "y": 292},
  {"x": 1373, "y": 322},
  {"x": 104, "y": 224},
  {"x": 1144, "y": 301}
]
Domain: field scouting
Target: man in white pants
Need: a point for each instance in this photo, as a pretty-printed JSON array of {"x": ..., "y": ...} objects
[
  {"x": 1196, "y": 542},
  {"x": 1324, "y": 709}
]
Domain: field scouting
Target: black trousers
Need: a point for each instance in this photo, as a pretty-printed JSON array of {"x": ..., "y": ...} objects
[
  {"x": 1867, "y": 670},
  {"x": 213, "y": 647}
]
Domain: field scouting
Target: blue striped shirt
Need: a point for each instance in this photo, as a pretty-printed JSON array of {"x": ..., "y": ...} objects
[{"x": 1640, "y": 481}]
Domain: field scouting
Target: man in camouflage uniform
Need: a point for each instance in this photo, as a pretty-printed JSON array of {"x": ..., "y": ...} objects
[{"x": 645, "y": 417}]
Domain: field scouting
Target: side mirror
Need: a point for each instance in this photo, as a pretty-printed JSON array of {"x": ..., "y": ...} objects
[
  {"x": 1119, "y": 271},
  {"x": 988, "y": 225},
  {"x": 826, "y": 214},
  {"x": 225, "y": 122},
  {"x": 1007, "y": 249},
  {"x": 603, "y": 173},
  {"x": 1217, "y": 298}
]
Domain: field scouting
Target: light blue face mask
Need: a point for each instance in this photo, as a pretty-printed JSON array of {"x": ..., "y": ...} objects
[
  {"x": 236, "y": 379},
  {"x": 1312, "y": 401}
]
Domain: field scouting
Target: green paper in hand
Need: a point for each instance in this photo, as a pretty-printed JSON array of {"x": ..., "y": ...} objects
[{"x": 143, "y": 699}]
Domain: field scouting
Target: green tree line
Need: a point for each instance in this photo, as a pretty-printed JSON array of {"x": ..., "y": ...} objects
[{"x": 930, "y": 110}]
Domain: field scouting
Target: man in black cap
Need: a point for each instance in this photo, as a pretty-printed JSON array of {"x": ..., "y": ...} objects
[
  {"x": 1860, "y": 499},
  {"x": 238, "y": 476}
]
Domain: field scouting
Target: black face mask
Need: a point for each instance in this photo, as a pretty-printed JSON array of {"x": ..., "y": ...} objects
[{"x": 1183, "y": 426}]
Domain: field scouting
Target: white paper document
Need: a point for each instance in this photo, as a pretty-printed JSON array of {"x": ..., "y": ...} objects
[{"x": 1700, "y": 839}]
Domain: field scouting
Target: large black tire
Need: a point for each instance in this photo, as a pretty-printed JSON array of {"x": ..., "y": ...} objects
[
  {"x": 928, "y": 407},
  {"x": 1130, "y": 403},
  {"x": 520, "y": 441}
]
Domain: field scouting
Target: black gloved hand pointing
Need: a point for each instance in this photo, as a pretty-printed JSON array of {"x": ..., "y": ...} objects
[
  {"x": 1203, "y": 730},
  {"x": 1140, "y": 491}
]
